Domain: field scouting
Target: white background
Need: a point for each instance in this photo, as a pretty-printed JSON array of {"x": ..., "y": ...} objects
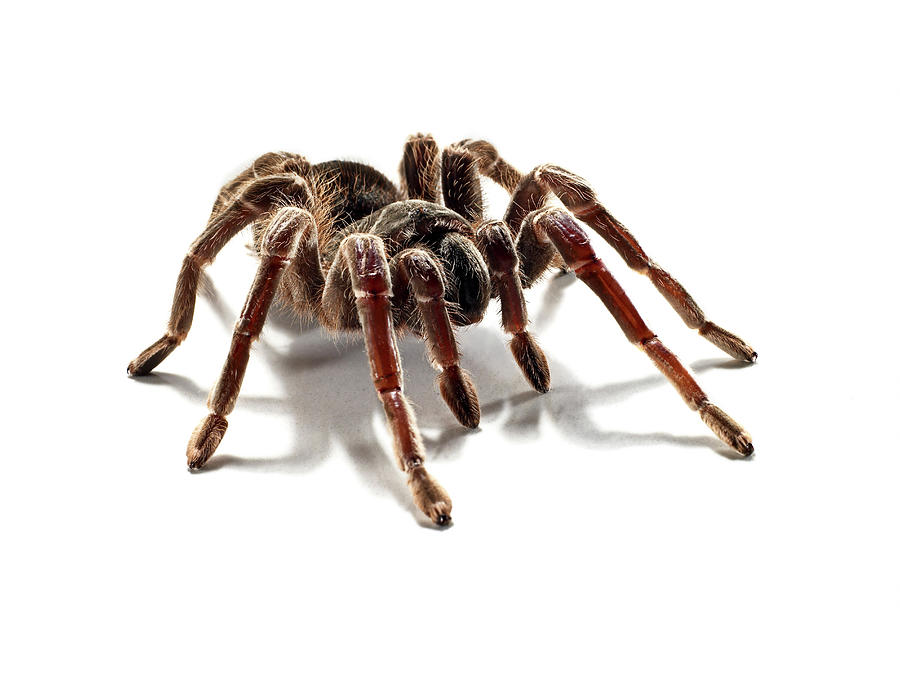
[{"x": 753, "y": 151}]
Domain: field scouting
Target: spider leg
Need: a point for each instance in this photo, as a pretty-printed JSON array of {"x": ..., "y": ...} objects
[
  {"x": 491, "y": 164},
  {"x": 362, "y": 256},
  {"x": 529, "y": 193},
  {"x": 420, "y": 271},
  {"x": 461, "y": 183},
  {"x": 581, "y": 200},
  {"x": 257, "y": 197},
  {"x": 495, "y": 241},
  {"x": 265, "y": 165},
  {"x": 304, "y": 280},
  {"x": 277, "y": 246},
  {"x": 462, "y": 193},
  {"x": 419, "y": 168},
  {"x": 556, "y": 226}
]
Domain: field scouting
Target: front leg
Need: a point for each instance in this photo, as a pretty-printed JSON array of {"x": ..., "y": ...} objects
[
  {"x": 258, "y": 197},
  {"x": 419, "y": 271},
  {"x": 277, "y": 247},
  {"x": 362, "y": 258},
  {"x": 496, "y": 244}
]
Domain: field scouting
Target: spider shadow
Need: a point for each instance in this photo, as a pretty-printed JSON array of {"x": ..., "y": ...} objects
[{"x": 324, "y": 415}]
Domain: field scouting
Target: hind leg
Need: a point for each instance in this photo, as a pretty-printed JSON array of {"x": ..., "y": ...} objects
[
  {"x": 580, "y": 199},
  {"x": 555, "y": 226},
  {"x": 419, "y": 168},
  {"x": 528, "y": 194},
  {"x": 256, "y": 198}
]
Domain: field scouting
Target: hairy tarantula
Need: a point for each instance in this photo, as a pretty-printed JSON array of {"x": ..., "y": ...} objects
[{"x": 340, "y": 243}]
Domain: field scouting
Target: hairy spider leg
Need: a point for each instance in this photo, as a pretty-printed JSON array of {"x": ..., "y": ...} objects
[
  {"x": 553, "y": 225},
  {"x": 419, "y": 171},
  {"x": 420, "y": 271},
  {"x": 529, "y": 193},
  {"x": 491, "y": 164},
  {"x": 304, "y": 279},
  {"x": 419, "y": 168},
  {"x": 462, "y": 193},
  {"x": 461, "y": 184},
  {"x": 363, "y": 257},
  {"x": 254, "y": 201},
  {"x": 496, "y": 244},
  {"x": 276, "y": 249},
  {"x": 581, "y": 200},
  {"x": 265, "y": 165}
]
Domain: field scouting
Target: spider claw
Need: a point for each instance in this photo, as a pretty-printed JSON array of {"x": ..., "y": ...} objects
[
  {"x": 727, "y": 429},
  {"x": 429, "y": 496}
]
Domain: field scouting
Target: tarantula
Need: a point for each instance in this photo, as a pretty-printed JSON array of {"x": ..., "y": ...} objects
[{"x": 338, "y": 242}]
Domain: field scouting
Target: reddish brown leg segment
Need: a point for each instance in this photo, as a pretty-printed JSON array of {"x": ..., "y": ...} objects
[
  {"x": 278, "y": 244},
  {"x": 556, "y": 226},
  {"x": 497, "y": 247},
  {"x": 529, "y": 193},
  {"x": 226, "y": 222},
  {"x": 581, "y": 200},
  {"x": 364, "y": 257},
  {"x": 420, "y": 270}
]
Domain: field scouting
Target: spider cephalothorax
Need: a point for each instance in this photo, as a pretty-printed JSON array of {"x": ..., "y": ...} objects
[{"x": 340, "y": 243}]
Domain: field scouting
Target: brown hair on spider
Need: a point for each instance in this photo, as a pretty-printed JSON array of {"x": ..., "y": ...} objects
[{"x": 339, "y": 243}]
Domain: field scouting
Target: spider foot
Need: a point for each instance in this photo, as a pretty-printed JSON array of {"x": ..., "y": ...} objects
[
  {"x": 460, "y": 396},
  {"x": 727, "y": 429},
  {"x": 728, "y": 342},
  {"x": 429, "y": 496},
  {"x": 531, "y": 360},
  {"x": 151, "y": 357},
  {"x": 205, "y": 440}
]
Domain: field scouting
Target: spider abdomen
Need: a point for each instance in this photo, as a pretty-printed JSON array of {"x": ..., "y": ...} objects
[{"x": 354, "y": 190}]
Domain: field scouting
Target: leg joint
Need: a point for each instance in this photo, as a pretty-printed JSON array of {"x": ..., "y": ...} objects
[
  {"x": 281, "y": 235},
  {"x": 366, "y": 260},
  {"x": 496, "y": 244},
  {"x": 569, "y": 238},
  {"x": 423, "y": 272},
  {"x": 572, "y": 190}
]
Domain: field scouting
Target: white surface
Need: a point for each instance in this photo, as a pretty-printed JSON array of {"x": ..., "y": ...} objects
[{"x": 753, "y": 151}]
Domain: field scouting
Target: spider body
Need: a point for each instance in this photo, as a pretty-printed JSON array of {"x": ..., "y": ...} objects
[
  {"x": 338, "y": 242},
  {"x": 416, "y": 224}
]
